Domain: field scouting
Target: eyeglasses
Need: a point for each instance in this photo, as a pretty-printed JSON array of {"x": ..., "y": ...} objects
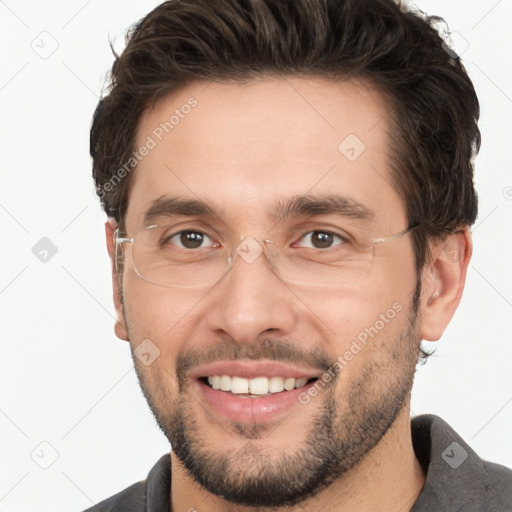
[{"x": 188, "y": 257}]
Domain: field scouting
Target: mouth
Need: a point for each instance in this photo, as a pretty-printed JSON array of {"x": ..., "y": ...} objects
[
  {"x": 252, "y": 392},
  {"x": 256, "y": 387}
]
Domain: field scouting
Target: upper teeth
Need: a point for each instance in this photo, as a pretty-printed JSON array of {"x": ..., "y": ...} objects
[{"x": 256, "y": 386}]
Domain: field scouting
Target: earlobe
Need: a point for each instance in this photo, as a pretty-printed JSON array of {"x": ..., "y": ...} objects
[
  {"x": 120, "y": 326},
  {"x": 443, "y": 283}
]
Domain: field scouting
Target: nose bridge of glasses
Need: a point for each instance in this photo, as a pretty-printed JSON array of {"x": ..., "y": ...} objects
[{"x": 250, "y": 248}]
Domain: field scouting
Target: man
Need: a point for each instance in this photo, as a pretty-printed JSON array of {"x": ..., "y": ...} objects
[{"x": 289, "y": 185}]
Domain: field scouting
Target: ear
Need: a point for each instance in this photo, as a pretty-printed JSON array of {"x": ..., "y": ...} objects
[
  {"x": 120, "y": 326},
  {"x": 443, "y": 283}
]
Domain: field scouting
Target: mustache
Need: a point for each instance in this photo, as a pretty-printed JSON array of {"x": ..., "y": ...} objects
[{"x": 268, "y": 349}]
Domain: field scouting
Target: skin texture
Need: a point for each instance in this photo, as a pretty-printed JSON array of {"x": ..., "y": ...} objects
[{"x": 243, "y": 149}]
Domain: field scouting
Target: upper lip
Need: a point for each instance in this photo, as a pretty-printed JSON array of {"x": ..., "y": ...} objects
[{"x": 252, "y": 369}]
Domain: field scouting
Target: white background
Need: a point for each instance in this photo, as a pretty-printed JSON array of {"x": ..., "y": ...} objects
[{"x": 65, "y": 379}]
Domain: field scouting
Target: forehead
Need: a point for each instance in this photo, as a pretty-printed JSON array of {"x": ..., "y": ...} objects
[{"x": 244, "y": 147}]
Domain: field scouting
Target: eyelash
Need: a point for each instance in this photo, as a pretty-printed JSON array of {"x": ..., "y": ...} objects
[
  {"x": 167, "y": 239},
  {"x": 342, "y": 239}
]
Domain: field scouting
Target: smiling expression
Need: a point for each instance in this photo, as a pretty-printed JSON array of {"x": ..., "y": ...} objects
[{"x": 238, "y": 348}]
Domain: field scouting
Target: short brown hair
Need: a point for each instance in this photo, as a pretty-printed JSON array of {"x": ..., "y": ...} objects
[{"x": 433, "y": 105}]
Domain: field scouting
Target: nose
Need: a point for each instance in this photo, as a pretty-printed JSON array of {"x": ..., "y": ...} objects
[{"x": 251, "y": 301}]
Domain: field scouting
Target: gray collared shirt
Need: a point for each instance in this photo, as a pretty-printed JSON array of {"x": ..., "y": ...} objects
[{"x": 457, "y": 479}]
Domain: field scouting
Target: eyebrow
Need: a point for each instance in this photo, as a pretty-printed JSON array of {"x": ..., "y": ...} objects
[
  {"x": 328, "y": 204},
  {"x": 306, "y": 206},
  {"x": 166, "y": 206}
]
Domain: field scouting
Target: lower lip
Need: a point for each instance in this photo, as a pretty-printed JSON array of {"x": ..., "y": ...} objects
[{"x": 250, "y": 410}]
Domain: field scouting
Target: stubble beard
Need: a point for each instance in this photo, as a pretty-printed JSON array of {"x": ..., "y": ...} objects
[{"x": 337, "y": 438}]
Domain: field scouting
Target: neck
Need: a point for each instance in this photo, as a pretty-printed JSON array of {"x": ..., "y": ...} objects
[{"x": 388, "y": 478}]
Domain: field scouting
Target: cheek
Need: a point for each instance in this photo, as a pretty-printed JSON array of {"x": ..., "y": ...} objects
[
  {"x": 160, "y": 322},
  {"x": 163, "y": 315},
  {"x": 364, "y": 325},
  {"x": 374, "y": 357},
  {"x": 343, "y": 315}
]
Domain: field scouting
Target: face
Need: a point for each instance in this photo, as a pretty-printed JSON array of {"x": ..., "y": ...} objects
[{"x": 304, "y": 162}]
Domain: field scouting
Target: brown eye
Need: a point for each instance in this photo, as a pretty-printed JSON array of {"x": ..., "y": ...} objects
[
  {"x": 191, "y": 240},
  {"x": 320, "y": 240}
]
